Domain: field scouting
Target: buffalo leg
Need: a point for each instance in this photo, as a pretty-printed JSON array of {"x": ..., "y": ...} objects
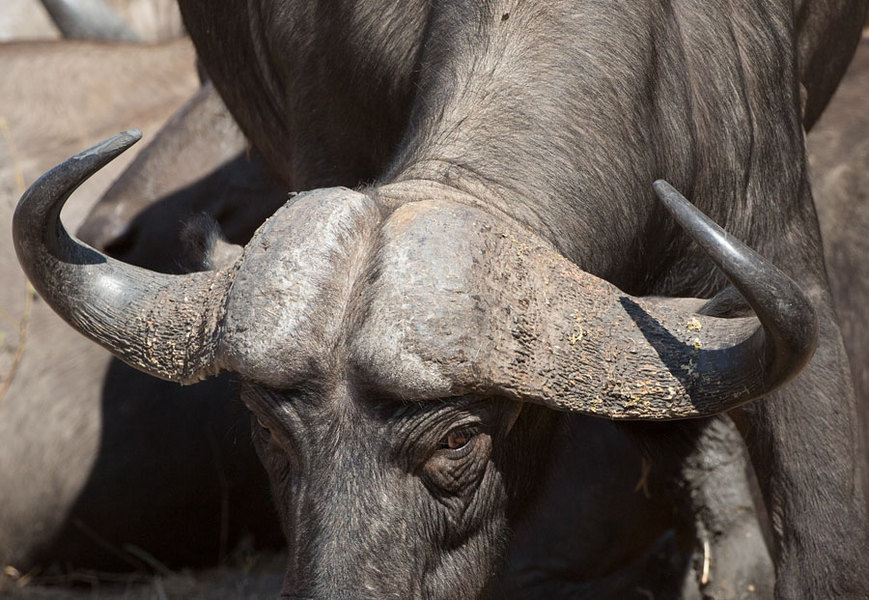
[
  {"x": 803, "y": 444},
  {"x": 705, "y": 468}
]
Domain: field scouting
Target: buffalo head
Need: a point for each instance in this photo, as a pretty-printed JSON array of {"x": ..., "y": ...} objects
[{"x": 400, "y": 359}]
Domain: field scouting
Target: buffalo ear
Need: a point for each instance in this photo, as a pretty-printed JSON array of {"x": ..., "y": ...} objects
[
  {"x": 206, "y": 246},
  {"x": 726, "y": 304}
]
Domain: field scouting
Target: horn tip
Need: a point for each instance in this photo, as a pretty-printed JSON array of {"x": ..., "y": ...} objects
[
  {"x": 123, "y": 140},
  {"x": 110, "y": 148}
]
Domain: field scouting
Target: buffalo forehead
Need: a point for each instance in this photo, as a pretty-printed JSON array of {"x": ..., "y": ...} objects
[
  {"x": 289, "y": 297},
  {"x": 324, "y": 286},
  {"x": 422, "y": 319}
]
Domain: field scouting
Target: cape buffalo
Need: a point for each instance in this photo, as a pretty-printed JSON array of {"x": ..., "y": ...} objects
[{"x": 402, "y": 347}]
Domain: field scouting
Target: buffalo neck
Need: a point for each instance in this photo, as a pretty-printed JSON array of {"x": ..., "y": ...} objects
[
  {"x": 558, "y": 114},
  {"x": 561, "y": 115},
  {"x": 550, "y": 113}
]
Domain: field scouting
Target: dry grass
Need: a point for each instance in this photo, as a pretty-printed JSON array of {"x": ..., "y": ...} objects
[{"x": 257, "y": 578}]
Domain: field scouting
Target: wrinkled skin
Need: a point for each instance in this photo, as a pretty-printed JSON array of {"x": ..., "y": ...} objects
[
  {"x": 583, "y": 446},
  {"x": 471, "y": 485},
  {"x": 533, "y": 566}
]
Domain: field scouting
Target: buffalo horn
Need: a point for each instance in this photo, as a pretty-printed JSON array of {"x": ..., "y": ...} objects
[
  {"x": 572, "y": 341},
  {"x": 164, "y": 325}
]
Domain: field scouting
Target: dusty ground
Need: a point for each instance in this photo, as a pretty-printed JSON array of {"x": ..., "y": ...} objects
[{"x": 254, "y": 578}]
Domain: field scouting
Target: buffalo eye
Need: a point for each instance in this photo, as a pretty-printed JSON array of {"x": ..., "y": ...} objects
[
  {"x": 458, "y": 461},
  {"x": 459, "y": 442}
]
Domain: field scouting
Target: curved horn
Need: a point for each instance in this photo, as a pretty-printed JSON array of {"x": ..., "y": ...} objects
[
  {"x": 788, "y": 318},
  {"x": 656, "y": 358},
  {"x": 164, "y": 325},
  {"x": 491, "y": 308}
]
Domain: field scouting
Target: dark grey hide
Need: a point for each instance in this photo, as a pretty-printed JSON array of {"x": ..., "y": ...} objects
[
  {"x": 402, "y": 348},
  {"x": 198, "y": 164}
]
